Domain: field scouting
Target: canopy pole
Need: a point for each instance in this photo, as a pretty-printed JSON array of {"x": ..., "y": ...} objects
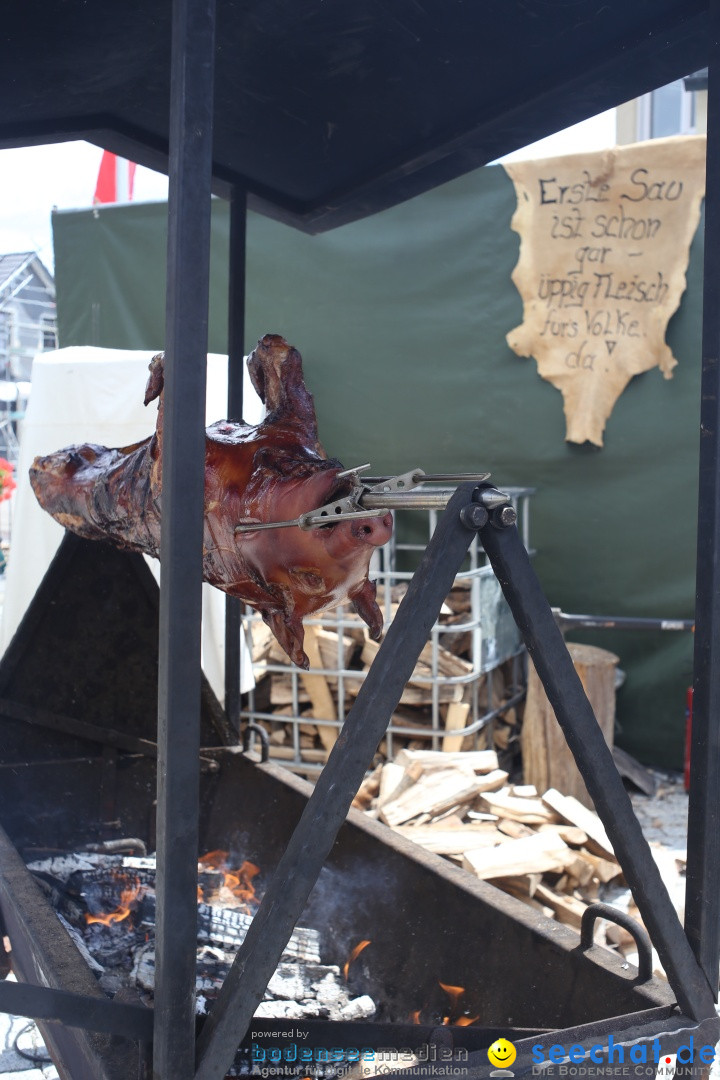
[
  {"x": 183, "y": 477},
  {"x": 702, "y": 896},
  {"x": 236, "y": 368}
]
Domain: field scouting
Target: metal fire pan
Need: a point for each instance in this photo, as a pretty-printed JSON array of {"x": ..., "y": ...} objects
[{"x": 43, "y": 955}]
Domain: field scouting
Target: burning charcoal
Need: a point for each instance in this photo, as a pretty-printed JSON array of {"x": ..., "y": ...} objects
[
  {"x": 59, "y": 897},
  {"x": 143, "y": 969},
  {"x": 63, "y": 866},
  {"x": 228, "y": 927},
  {"x": 361, "y": 1008},
  {"x": 81, "y": 946},
  {"x": 112, "y": 981},
  {"x": 287, "y": 983},
  {"x": 329, "y": 990},
  {"x": 286, "y": 1010}
]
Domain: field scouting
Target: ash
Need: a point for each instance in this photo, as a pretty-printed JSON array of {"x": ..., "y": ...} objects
[{"x": 107, "y": 905}]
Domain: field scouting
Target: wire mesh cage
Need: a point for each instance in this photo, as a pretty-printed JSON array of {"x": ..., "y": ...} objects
[{"x": 470, "y": 674}]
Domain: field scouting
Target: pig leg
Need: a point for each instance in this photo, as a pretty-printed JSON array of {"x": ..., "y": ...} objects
[
  {"x": 289, "y": 631},
  {"x": 276, "y": 372},
  {"x": 364, "y": 603}
]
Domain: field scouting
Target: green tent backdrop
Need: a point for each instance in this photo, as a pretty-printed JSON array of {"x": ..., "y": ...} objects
[{"x": 401, "y": 320}]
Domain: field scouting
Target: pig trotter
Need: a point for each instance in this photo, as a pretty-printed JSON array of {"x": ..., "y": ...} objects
[{"x": 364, "y": 603}]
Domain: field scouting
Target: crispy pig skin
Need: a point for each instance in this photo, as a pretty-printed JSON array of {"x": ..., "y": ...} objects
[{"x": 273, "y": 472}]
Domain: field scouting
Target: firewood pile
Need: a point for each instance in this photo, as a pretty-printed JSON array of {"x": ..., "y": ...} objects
[
  {"x": 548, "y": 850},
  {"x": 445, "y": 694}
]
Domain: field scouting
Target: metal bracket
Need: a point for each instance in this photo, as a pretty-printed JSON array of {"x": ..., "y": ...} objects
[
  {"x": 257, "y": 729},
  {"x": 605, "y": 911}
]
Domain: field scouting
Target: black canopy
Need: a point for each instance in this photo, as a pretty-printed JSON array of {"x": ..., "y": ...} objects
[{"x": 329, "y": 110}]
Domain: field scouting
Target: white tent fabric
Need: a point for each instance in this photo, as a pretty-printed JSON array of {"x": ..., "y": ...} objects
[{"x": 86, "y": 394}]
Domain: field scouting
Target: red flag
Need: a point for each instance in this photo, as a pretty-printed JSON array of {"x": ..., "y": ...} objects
[{"x": 115, "y": 179}]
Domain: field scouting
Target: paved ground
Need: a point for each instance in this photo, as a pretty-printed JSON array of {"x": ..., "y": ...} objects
[{"x": 19, "y": 1034}]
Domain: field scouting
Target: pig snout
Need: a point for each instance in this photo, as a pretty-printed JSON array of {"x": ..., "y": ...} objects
[{"x": 375, "y": 531}]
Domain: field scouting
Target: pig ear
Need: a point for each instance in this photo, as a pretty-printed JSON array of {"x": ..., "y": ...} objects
[
  {"x": 289, "y": 631},
  {"x": 156, "y": 380},
  {"x": 363, "y": 600}
]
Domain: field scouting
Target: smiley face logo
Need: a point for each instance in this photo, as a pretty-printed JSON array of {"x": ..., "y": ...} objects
[{"x": 502, "y": 1053}]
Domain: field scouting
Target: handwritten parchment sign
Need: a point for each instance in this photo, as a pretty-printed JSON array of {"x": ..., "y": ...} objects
[{"x": 605, "y": 239}]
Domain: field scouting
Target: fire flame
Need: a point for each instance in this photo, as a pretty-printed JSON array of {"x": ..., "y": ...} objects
[
  {"x": 121, "y": 912},
  {"x": 239, "y": 881},
  {"x": 353, "y": 956},
  {"x": 453, "y": 992}
]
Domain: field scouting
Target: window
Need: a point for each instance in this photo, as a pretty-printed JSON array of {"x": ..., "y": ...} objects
[
  {"x": 48, "y": 333},
  {"x": 669, "y": 110}
]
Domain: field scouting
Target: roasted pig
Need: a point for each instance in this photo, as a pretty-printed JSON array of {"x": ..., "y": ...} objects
[{"x": 273, "y": 472}]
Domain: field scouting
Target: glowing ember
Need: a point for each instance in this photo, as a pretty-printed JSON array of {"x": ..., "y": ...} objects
[
  {"x": 466, "y": 1021},
  {"x": 353, "y": 956},
  {"x": 121, "y": 912},
  {"x": 415, "y": 1016}
]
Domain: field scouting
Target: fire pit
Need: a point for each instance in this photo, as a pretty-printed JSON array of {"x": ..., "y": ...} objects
[
  {"x": 518, "y": 971},
  {"x": 445, "y": 952}
]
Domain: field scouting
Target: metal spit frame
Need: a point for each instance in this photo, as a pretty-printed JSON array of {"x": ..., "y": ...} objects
[
  {"x": 179, "y": 669},
  {"x": 479, "y": 691}
]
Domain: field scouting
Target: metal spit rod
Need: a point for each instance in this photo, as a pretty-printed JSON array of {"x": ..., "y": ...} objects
[{"x": 378, "y": 495}]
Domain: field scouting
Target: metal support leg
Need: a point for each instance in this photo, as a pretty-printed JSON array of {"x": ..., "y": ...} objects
[
  {"x": 545, "y": 644},
  {"x": 183, "y": 476},
  {"x": 327, "y": 807},
  {"x": 702, "y": 902},
  {"x": 236, "y": 365}
]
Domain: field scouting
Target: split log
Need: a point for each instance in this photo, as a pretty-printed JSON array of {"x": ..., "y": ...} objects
[
  {"x": 531, "y": 855},
  {"x": 434, "y": 792},
  {"x": 567, "y": 909},
  {"x": 547, "y": 760},
  {"x": 571, "y": 810},
  {"x": 527, "y": 811},
  {"x": 451, "y": 841},
  {"x": 480, "y": 761},
  {"x": 455, "y": 720},
  {"x": 368, "y": 790},
  {"x": 323, "y": 705},
  {"x": 632, "y": 770}
]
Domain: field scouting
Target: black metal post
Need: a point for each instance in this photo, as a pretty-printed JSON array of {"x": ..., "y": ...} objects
[
  {"x": 76, "y": 1010},
  {"x": 183, "y": 475},
  {"x": 236, "y": 365},
  {"x": 545, "y": 644},
  {"x": 702, "y": 899},
  {"x": 329, "y": 803}
]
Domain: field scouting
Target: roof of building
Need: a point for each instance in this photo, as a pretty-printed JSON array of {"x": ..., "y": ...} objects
[
  {"x": 16, "y": 264},
  {"x": 326, "y": 112}
]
